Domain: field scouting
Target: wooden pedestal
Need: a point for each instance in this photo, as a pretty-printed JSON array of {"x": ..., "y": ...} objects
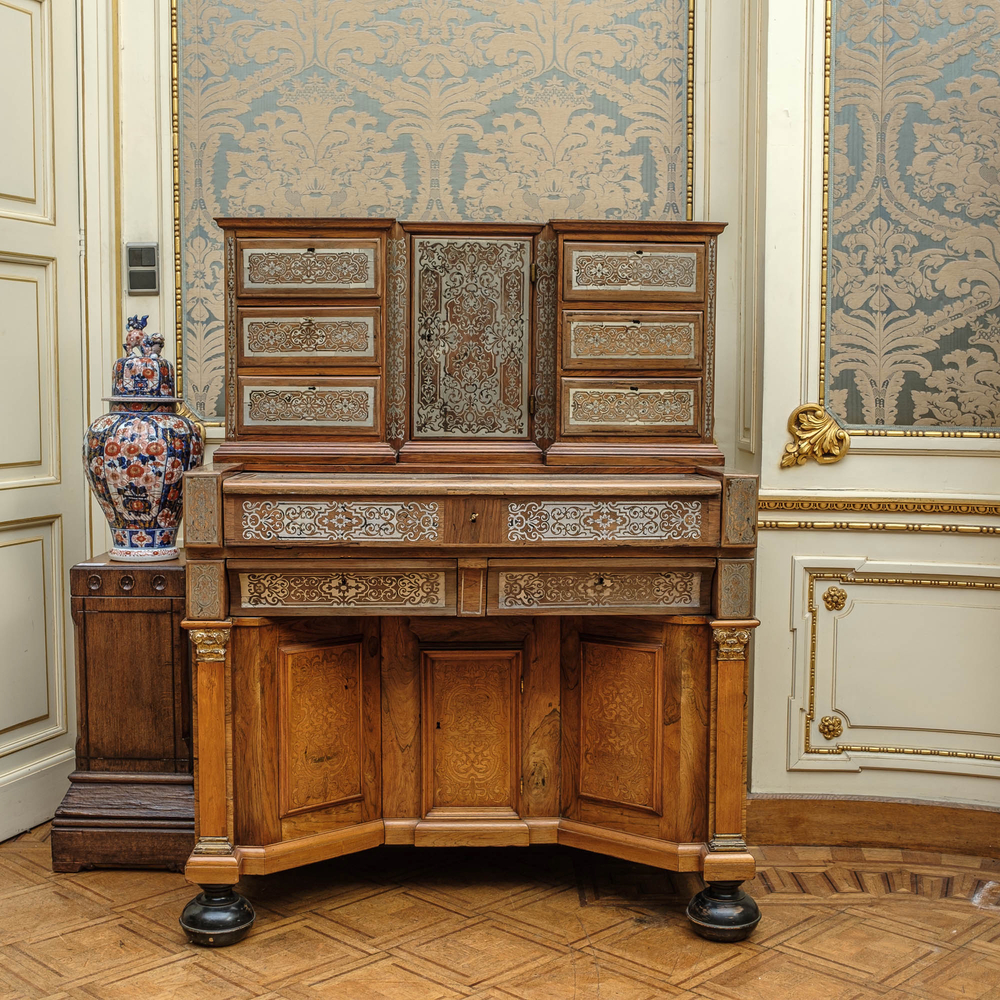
[{"x": 131, "y": 798}]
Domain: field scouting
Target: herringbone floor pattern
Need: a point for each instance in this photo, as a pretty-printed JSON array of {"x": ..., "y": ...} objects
[{"x": 531, "y": 924}]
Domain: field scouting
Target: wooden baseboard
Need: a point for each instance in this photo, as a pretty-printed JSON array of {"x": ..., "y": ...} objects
[{"x": 857, "y": 821}]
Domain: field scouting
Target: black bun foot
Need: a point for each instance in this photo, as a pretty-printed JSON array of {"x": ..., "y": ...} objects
[
  {"x": 217, "y": 916},
  {"x": 722, "y": 911}
]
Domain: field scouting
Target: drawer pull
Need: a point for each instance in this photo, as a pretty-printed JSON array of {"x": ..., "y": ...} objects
[{"x": 474, "y": 516}]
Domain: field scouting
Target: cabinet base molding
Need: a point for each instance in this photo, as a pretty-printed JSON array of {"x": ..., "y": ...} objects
[
  {"x": 860, "y": 821},
  {"x": 630, "y": 846},
  {"x": 113, "y": 819}
]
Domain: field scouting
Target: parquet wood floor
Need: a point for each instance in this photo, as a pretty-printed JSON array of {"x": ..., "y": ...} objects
[{"x": 517, "y": 924}]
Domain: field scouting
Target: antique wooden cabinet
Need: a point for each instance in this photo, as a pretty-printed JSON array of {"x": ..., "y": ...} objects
[
  {"x": 131, "y": 798},
  {"x": 468, "y": 569}
]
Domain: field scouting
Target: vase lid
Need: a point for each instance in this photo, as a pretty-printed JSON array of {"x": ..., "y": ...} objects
[{"x": 141, "y": 375}]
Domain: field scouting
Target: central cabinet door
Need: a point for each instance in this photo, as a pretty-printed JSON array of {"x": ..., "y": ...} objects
[{"x": 471, "y": 724}]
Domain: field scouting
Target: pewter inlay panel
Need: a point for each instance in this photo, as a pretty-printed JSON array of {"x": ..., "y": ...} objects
[
  {"x": 471, "y": 346},
  {"x": 352, "y": 267},
  {"x": 340, "y": 521},
  {"x": 604, "y": 520},
  {"x": 424, "y": 589},
  {"x": 648, "y": 271},
  {"x": 281, "y": 336},
  {"x": 529, "y": 589},
  {"x": 642, "y": 407},
  {"x": 595, "y": 339},
  {"x": 350, "y": 406}
]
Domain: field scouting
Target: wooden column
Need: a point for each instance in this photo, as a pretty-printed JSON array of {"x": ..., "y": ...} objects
[
  {"x": 212, "y": 861},
  {"x": 727, "y": 857}
]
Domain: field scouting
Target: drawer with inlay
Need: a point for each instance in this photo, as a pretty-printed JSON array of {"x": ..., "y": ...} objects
[
  {"x": 333, "y": 336},
  {"x": 634, "y": 271},
  {"x": 314, "y": 406},
  {"x": 654, "y": 406},
  {"x": 631, "y": 339},
  {"x": 343, "y": 587},
  {"x": 309, "y": 267},
  {"x": 471, "y": 521},
  {"x": 611, "y": 586}
]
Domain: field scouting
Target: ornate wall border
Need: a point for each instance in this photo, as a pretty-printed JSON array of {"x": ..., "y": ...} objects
[
  {"x": 850, "y": 578},
  {"x": 176, "y": 170}
]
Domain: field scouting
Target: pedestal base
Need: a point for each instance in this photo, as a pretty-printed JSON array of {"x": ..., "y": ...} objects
[
  {"x": 217, "y": 917},
  {"x": 722, "y": 911}
]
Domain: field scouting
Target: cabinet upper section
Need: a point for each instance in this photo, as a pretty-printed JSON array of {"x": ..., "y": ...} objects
[{"x": 353, "y": 342}]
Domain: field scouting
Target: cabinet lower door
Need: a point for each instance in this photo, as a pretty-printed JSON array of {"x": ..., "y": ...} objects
[{"x": 471, "y": 721}]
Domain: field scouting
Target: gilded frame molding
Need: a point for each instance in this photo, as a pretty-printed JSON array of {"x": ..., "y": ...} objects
[{"x": 848, "y": 578}]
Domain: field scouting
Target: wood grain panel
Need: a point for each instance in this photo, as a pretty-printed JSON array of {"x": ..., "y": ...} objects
[
  {"x": 470, "y": 730},
  {"x": 621, "y": 723},
  {"x": 401, "y": 793},
  {"x": 540, "y": 721},
  {"x": 320, "y": 693}
]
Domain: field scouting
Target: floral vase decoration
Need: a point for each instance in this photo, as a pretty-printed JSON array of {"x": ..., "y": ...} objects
[{"x": 135, "y": 455}]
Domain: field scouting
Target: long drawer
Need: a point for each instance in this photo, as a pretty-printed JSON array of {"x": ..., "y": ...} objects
[
  {"x": 612, "y": 586},
  {"x": 276, "y": 403},
  {"x": 664, "y": 272},
  {"x": 631, "y": 339},
  {"x": 321, "y": 336},
  {"x": 472, "y": 521},
  {"x": 647, "y": 406},
  {"x": 309, "y": 267},
  {"x": 424, "y": 587}
]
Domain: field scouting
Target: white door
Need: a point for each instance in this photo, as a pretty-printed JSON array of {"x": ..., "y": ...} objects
[{"x": 42, "y": 493}]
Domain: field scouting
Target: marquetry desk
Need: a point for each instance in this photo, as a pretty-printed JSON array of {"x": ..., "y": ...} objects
[{"x": 468, "y": 569}]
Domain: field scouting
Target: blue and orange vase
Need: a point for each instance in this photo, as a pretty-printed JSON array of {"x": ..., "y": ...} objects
[{"x": 135, "y": 455}]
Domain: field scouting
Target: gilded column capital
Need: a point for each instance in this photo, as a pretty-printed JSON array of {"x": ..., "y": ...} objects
[
  {"x": 731, "y": 642},
  {"x": 210, "y": 643}
]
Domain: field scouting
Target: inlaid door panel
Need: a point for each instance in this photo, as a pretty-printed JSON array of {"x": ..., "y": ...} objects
[
  {"x": 621, "y": 723},
  {"x": 470, "y": 733},
  {"x": 329, "y": 725}
]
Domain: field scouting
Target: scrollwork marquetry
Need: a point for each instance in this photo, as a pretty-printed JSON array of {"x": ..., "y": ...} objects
[
  {"x": 606, "y": 339},
  {"x": 201, "y": 510},
  {"x": 740, "y": 527},
  {"x": 309, "y": 336},
  {"x": 340, "y": 520},
  {"x": 735, "y": 589},
  {"x": 604, "y": 520},
  {"x": 545, "y": 337},
  {"x": 526, "y": 589},
  {"x": 395, "y": 340},
  {"x": 662, "y": 407},
  {"x": 649, "y": 270},
  {"x": 471, "y": 337},
  {"x": 815, "y": 434},
  {"x": 230, "y": 336},
  {"x": 205, "y": 590},
  {"x": 351, "y": 268},
  {"x": 346, "y": 589},
  {"x": 321, "y": 406},
  {"x": 731, "y": 643},
  {"x": 210, "y": 643}
]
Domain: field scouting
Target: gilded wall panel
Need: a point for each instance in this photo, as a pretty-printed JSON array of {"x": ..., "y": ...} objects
[
  {"x": 485, "y": 110},
  {"x": 912, "y": 334}
]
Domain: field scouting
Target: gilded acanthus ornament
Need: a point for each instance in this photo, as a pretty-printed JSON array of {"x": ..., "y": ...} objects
[
  {"x": 835, "y": 598},
  {"x": 815, "y": 434},
  {"x": 831, "y": 727}
]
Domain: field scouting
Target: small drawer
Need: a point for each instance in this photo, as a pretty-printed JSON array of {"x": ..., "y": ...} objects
[
  {"x": 631, "y": 339},
  {"x": 613, "y": 586},
  {"x": 653, "y": 271},
  {"x": 343, "y": 588},
  {"x": 655, "y": 406},
  {"x": 317, "y": 406},
  {"x": 348, "y": 335},
  {"x": 309, "y": 267}
]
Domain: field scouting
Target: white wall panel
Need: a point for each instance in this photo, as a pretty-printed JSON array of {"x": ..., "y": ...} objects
[
  {"x": 32, "y": 665},
  {"x": 25, "y": 108},
  {"x": 28, "y": 375}
]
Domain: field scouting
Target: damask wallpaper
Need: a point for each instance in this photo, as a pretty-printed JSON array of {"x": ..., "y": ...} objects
[
  {"x": 913, "y": 284},
  {"x": 483, "y": 110}
]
